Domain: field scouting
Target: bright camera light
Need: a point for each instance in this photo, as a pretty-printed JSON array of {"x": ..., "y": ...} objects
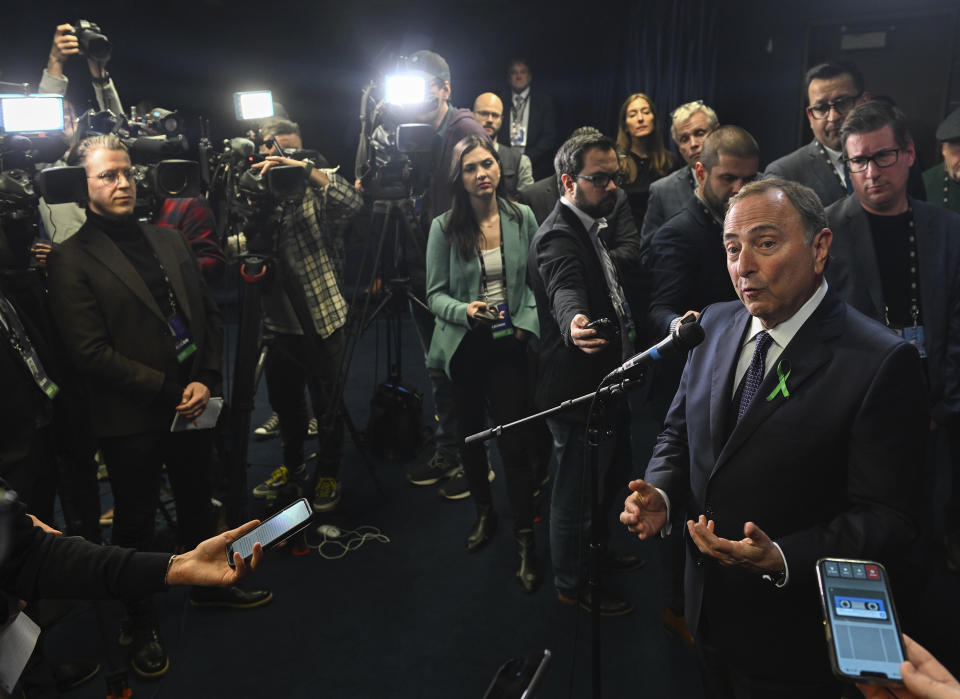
[
  {"x": 31, "y": 113},
  {"x": 253, "y": 105},
  {"x": 406, "y": 89}
]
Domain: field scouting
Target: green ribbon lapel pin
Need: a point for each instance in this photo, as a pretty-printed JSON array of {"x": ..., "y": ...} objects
[{"x": 782, "y": 377}]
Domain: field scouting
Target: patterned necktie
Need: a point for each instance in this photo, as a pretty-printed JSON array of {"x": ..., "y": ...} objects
[{"x": 754, "y": 375}]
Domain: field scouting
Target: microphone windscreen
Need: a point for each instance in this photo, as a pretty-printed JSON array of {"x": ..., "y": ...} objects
[{"x": 689, "y": 335}]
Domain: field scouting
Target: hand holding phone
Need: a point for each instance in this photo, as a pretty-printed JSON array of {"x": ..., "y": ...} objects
[
  {"x": 860, "y": 621},
  {"x": 482, "y": 313},
  {"x": 280, "y": 527},
  {"x": 604, "y": 328}
]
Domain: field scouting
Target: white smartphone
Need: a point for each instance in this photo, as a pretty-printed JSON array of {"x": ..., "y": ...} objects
[{"x": 280, "y": 527}]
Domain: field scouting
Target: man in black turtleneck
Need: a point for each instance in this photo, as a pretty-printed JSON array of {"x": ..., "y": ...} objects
[{"x": 145, "y": 336}]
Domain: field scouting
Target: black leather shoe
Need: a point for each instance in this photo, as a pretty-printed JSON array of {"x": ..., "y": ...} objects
[
  {"x": 616, "y": 562},
  {"x": 609, "y": 606},
  {"x": 231, "y": 597},
  {"x": 483, "y": 528},
  {"x": 71, "y": 675},
  {"x": 149, "y": 657},
  {"x": 529, "y": 571}
]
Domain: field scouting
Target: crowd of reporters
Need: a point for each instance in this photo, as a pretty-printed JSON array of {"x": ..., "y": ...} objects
[{"x": 500, "y": 338}]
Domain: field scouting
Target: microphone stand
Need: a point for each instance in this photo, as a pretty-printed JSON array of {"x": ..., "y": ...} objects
[{"x": 595, "y": 434}]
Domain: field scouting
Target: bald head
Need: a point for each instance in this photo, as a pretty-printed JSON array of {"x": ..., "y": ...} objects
[{"x": 488, "y": 110}]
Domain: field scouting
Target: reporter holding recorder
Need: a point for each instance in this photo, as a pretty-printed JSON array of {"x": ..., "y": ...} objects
[{"x": 485, "y": 315}]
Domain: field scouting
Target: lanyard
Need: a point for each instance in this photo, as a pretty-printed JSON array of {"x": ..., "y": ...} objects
[
  {"x": 833, "y": 169},
  {"x": 914, "y": 275},
  {"x": 519, "y": 107},
  {"x": 13, "y": 330},
  {"x": 171, "y": 299}
]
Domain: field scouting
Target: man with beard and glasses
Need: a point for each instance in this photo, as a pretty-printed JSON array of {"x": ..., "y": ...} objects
[{"x": 575, "y": 281}]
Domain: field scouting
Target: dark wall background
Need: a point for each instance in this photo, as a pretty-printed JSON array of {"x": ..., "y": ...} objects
[{"x": 743, "y": 57}]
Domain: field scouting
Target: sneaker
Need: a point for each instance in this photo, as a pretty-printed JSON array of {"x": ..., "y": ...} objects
[
  {"x": 106, "y": 519},
  {"x": 327, "y": 495},
  {"x": 435, "y": 470},
  {"x": 457, "y": 488},
  {"x": 312, "y": 428},
  {"x": 277, "y": 480},
  {"x": 269, "y": 429}
]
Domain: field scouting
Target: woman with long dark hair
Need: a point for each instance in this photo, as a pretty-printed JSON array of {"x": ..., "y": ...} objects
[
  {"x": 485, "y": 314},
  {"x": 644, "y": 158}
]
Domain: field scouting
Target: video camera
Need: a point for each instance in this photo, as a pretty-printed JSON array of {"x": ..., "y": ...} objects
[
  {"x": 393, "y": 140},
  {"x": 31, "y": 134},
  {"x": 157, "y": 144}
]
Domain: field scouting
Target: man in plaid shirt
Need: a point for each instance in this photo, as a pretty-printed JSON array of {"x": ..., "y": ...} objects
[{"x": 310, "y": 245}]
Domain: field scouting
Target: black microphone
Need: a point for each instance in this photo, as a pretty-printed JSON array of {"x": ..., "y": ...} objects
[{"x": 685, "y": 337}]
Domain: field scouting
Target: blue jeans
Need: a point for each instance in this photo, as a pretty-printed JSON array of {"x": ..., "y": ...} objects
[{"x": 572, "y": 492}]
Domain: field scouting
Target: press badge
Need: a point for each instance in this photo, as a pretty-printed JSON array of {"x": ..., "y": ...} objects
[
  {"x": 183, "y": 345},
  {"x": 914, "y": 335},
  {"x": 518, "y": 135},
  {"x": 503, "y": 327}
]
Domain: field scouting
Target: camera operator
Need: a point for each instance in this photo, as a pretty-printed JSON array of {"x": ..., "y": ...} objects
[
  {"x": 309, "y": 244},
  {"x": 450, "y": 125},
  {"x": 145, "y": 336}
]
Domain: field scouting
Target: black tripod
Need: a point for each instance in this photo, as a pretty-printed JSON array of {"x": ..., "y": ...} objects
[{"x": 255, "y": 270}]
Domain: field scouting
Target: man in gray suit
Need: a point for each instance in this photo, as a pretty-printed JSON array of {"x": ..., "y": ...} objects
[
  {"x": 833, "y": 90},
  {"x": 692, "y": 123}
]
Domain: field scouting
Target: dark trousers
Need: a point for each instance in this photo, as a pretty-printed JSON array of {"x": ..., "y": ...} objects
[
  {"x": 290, "y": 367},
  {"x": 134, "y": 463},
  {"x": 491, "y": 375}
]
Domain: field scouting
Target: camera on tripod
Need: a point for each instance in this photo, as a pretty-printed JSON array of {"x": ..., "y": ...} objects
[
  {"x": 157, "y": 144},
  {"x": 393, "y": 138}
]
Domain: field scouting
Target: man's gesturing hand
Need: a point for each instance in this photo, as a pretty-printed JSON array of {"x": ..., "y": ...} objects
[
  {"x": 644, "y": 510},
  {"x": 755, "y": 551}
]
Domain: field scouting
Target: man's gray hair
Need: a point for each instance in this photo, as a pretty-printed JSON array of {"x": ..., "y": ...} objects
[
  {"x": 685, "y": 111},
  {"x": 108, "y": 141},
  {"x": 803, "y": 199},
  {"x": 278, "y": 126}
]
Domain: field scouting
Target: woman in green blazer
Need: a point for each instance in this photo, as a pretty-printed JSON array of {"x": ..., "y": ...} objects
[{"x": 485, "y": 315}]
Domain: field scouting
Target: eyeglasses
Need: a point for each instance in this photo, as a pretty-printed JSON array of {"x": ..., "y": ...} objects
[
  {"x": 882, "y": 158},
  {"x": 111, "y": 177},
  {"x": 602, "y": 180},
  {"x": 841, "y": 104}
]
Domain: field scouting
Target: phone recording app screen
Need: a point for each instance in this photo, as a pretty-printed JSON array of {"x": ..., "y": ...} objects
[{"x": 864, "y": 632}]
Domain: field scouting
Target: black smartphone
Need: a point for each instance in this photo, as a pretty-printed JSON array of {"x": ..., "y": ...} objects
[
  {"x": 280, "y": 527},
  {"x": 491, "y": 315},
  {"x": 860, "y": 621},
  {"x": 606, "y": 328}
]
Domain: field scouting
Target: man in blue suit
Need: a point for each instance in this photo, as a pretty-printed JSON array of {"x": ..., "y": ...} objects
[
  {"x": 795, "y": 434},
  {"x": 898, "y": 261}
]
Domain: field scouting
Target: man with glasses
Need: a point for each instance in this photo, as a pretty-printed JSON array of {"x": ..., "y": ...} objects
[
  {"x": 576, "y": 281},
  {"x": 691, "y": 124},
  {"x": 145, "y": 337},
  {"x": 832, "y": 90},
  {"x": 897, "y": 260}
]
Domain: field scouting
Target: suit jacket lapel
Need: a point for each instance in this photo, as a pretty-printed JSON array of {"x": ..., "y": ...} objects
[
  {"x": 721, "y": 380},
  {"x": 805, "y": 354},
  {"x": 171, "y": 265},
  {"x": 109, "y": 255},
  {"x": 863, "y": 253}
]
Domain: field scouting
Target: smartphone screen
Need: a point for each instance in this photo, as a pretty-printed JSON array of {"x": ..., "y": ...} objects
[
  {"x": 863, "y": 631},
  {"x": 277, "y": 528}
]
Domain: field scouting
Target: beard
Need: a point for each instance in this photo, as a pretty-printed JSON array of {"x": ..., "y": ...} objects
[{"x": 599, "y": 210}]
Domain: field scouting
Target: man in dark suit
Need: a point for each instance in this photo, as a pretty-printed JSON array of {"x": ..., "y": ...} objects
[
  {"x": 145, "y": 337},
  {"x": 691, "y": 124},
  {"x": 898, "y": 261},
  {"x": 796, "y": 433},
  {"x": 686, "y": 255},
  {"x": 575, "y": 281},
  {"x": 832, "y": 90},
  {"x": 531, "y": 121}
]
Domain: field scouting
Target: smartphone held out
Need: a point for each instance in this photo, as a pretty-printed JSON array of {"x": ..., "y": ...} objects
[
  {"x": 278, "y": 528},
  {"x": 860, "y": 620}
]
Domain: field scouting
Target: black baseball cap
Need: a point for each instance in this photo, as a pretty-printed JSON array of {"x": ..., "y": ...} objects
[{"x": 433, "y": 64}]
